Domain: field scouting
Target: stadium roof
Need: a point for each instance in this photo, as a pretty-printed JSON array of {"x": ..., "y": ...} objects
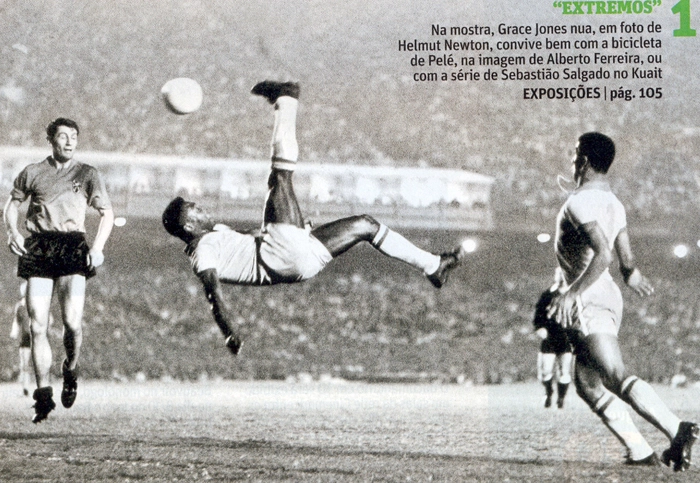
[{"x": 105, "y": 158}]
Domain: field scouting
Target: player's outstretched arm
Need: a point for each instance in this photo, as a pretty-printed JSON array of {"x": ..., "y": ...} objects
[
  {"x": 633, "y": 277},
  {"x": 11, "y": 217},
  {"x": 219, "y": 309}
]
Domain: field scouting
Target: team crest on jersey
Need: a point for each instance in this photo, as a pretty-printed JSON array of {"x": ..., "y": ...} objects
[{"x": 76, "y": 186}]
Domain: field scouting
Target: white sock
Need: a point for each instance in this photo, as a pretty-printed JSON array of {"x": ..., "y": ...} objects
[
  {"x": 614, "y": 414},
  {"x": 643, "y": 399},
  {"x": 565, "y": 379},
  {"x": 396, "y": 246},
  {"x": 285, "y": 148},
  {"x": 564, "y": 361}
]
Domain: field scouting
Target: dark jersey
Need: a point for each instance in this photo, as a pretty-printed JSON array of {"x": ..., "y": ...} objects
[
  {"x": 58, "y": 199},
  {"x": 556, "y": 342}
]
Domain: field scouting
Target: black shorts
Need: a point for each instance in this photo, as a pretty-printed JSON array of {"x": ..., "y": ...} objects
[
  {"x": 556, "y": 345},
  {"x": 55, "y": 254}
]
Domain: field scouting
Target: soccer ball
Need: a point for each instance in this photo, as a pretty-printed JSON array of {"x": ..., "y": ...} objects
[{"x": 182, "y": 95}]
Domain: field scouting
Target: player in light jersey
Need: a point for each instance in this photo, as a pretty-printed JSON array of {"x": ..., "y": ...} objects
[
  {"x": 590, "y": 226},
  {"x": 56, "y": 258},
  {"x": 286, "y": 250},
  {"x": 556, "y": 352}
]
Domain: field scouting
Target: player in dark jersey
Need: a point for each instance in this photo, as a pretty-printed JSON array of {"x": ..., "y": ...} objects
[
  {"x": 286, "y": 250},
  {"x": 55, "y": 258},
  {"x": 556, "y": 352}
]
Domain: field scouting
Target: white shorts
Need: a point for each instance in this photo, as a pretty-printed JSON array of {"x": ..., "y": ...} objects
[
  {"x": 599, "y": 308},
  {"x": 292, "y": 254}
]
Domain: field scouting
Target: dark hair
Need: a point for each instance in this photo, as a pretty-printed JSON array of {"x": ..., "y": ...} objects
[
  {"x": 61, "y": 121},
  {"x": 599, "y": 149},
  {"x": 173, "y": 217}
]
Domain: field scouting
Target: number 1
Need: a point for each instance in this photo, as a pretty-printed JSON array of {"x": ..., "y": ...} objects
[{"x": 683, "y": 8}]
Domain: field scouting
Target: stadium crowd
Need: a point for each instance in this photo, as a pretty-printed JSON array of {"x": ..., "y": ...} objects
[{"x": 524, "y": 155}]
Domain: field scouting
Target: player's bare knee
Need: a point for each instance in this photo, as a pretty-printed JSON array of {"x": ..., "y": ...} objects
[
  {"x": 367, "y": 225},
  {"x": 279, "y": 177},
  {"x": 588, "y": 392},
  {"x": 73, "y": 327},
  {"x": 582, "y": 392},
  {"x": 614, "y": 378},
  {"x": 39, "y": 329}
]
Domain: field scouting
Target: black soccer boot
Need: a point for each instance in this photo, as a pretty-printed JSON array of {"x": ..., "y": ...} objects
[
  {"x": 70, "y": 385},
  {"x": 272, "y": 90},
  {"x": 44, "y": 403},
  {"x": 679, "y": 452},
  {"x": 234, "y": 344},
  {"x": 448, "y": 262}
]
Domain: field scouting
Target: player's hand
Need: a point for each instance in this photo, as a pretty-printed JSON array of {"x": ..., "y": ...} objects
[
  {"x": 234, "y": 344},
  {"x": 541, "y": 333},
  {"x": 16, "y": 243},
  {"x": 96, "y": 258},
  {"x": 561, "y": 309},
  {"x": 639, "y": 283}
]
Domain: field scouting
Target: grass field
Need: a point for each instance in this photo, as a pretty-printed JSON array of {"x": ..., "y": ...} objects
[{"x": 321, "y": 431}]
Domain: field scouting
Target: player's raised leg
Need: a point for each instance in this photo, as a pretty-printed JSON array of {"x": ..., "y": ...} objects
[
  {"x": 281, "y": 205},
  {"x": 39, "y": 291},
  {"x": 71, "y": 297},
  {"x": 285, "y": 98},
  {"x": 341, "y": 235}
]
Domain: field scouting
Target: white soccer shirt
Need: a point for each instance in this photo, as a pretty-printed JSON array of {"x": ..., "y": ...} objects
[
  {"x": 234, "y": 255},
  {"x": 593, "y": 202}
]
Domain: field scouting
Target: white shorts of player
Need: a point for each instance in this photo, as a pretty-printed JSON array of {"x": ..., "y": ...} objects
[
  {"x": 599, "y": 308},
  {"x": 293, "y": 253}
]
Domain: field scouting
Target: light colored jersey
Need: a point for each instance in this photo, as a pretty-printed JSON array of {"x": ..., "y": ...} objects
[
  {"x": 599, "y": 307},
  {"x": 282, "y": 254},
  {"x": 233, "y": 255},
  {"x": 594, "y": 202},
  {"x": 58, "y": 199}
]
